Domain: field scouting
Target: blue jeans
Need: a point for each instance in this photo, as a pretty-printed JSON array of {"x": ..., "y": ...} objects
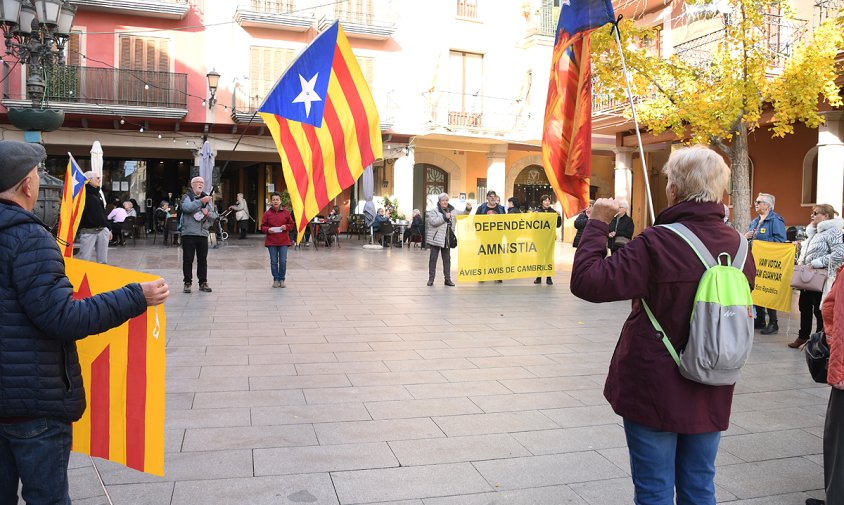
[
  {"x": 36, "y": 453},
  {"x": 661, "y": 461},
  {"x": 278, "y": 261}
]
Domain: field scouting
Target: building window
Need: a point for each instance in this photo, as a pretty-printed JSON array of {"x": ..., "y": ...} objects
[
  {"x": 367, "y": 68},
  {"x": 467, "y": 8},
  {"x": 355, "y": 11},
  {"x": 465, "y": 86},
  {"x": 144, "y": 71},
  {"x": 265, "y": 65}
]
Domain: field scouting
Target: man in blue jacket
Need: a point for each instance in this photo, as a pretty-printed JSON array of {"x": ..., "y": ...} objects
[
  {"x": 768, "y": 226},
  {"x": 491, "y": 205},
  {"x": 40, "y": 322}
]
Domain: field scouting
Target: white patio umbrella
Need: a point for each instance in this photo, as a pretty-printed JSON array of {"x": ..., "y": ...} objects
[
  {"x": 97, "y": 164},
  {"x": 206, "y": 165},
  {"x": 368, "y": 193}
]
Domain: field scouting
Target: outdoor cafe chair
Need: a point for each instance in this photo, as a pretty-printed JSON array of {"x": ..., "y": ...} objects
[
  {"x": 128, "y": 227},
  {"x": 173, "y": 231}
]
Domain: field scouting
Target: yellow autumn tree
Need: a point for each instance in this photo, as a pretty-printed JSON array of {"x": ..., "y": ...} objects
[{"x": 720, "y": 94}]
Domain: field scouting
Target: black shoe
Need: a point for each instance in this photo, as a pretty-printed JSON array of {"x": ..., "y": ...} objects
[
  {"x": 499, "y": 281},
  {"x": 814, "y": 501},
  {"x": 549, "y": 281},
  {"x": 187, "y": 287},
  {"x": 770, "y": 329},
  {"x": 203, "y": 286},
  {"x": 758, "y": 324},
  {"x": 448, "y": 282},
  {"x": 430, "y": 282},
  {"x": 538, "y": 280}
]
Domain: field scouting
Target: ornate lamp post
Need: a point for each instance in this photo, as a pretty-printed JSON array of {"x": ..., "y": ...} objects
[{"x": 36, "y": 32}]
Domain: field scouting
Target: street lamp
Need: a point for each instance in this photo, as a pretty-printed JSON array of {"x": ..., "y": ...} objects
[
  {"x": 36, "y": 32},
  {"x": 213, "y": 80}
]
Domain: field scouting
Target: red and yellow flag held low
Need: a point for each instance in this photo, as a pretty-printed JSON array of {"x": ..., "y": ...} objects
[
  {"x": 323, "y": 119},
  {"x": 73, "y": 202},
  {"x": 123, "y": 372}
]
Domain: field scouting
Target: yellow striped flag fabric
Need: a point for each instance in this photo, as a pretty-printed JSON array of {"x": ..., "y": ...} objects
[
  {"x": 324, "y": 123},
  {"x": 123, "y": 372},
  {"x": 73, "y": 202}
]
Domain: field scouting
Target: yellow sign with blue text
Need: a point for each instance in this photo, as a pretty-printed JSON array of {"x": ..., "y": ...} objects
[
  {"x": 513, "y": 246},
  {"x": 774, "y": 266}
]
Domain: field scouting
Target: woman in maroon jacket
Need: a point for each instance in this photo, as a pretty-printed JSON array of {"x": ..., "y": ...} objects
[
  {"x": 673, "y": 425},
  {"x": 277, "y": 224}
]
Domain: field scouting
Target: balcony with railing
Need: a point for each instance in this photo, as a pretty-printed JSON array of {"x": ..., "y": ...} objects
[
  {"x": 467, "y": 9},
  {"x": 476, "y": 114},
  {"x": 826, "y": 9},
  {"x": 106, "y": 92},
  {"x": 164, "y": 9},
  {"x": 275, "y": 14},
  {"x": 366, "y": 21}
]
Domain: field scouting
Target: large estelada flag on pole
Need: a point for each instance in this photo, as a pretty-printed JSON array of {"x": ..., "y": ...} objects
[
  {"x": 123, "y": 372},
  {"x": 73, "y": 202},
  {"x": 323, "y": 119},
  {"x": 567, "y": 135}
]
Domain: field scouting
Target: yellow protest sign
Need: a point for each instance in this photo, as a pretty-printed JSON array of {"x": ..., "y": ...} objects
[
  {"x": 774, "y": 266},
  {"x": 123, "y": 372},
  {"x": 512, "y": 246}
]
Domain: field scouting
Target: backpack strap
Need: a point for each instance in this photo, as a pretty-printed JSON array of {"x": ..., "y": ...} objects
[
  {"x": 694, "y": 242},
  {"x": 659, "y": 330}
]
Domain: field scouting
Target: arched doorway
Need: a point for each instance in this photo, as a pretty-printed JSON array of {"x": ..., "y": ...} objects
[
  {"x": 435, "y": 182},
  {"x": 530, "y": 184}
]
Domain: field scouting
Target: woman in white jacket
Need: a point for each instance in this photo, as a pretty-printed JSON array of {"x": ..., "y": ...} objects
[{"x": 822, "y": 249}]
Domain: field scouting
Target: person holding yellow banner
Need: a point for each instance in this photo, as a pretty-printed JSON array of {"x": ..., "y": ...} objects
[
  {"x": 39, "y": 365},
  {"x": 545, "y": 206},
  {"x": 768, "y": 226}
]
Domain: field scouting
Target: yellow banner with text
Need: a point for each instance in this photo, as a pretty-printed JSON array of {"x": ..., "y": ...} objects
[
  {"x": 774, "y": 266},
  {"x": 512, "y": 246}
]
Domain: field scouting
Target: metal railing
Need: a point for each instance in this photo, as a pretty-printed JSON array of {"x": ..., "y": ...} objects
[
  {"x": 698, "y": 51},
  {"x": 475, "y": 113},
  {"x": 548, "y": 17},
  {"x": 269, "y": 6},
  {"x": 467, "y": 8},
  {"x": 826, "y": 9},
  {"x": 385, "y": 103},
  {"x": 110, "y": 86}
]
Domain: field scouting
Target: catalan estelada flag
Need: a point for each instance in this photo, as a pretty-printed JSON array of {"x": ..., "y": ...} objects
[
  {"x": 567, "y": 136},
  {"x": 323, "y": 119},
  {"x": 73, "y": 202},
  {"x": 123, "y": 372}
]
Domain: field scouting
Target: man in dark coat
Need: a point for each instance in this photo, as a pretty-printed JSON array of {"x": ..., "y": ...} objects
[
  {"x": 40, "y": 322},
  {"x": 491, "y": 205},
  {"x": 94, "y": 232},
  {"x": 580, "y": 223}
]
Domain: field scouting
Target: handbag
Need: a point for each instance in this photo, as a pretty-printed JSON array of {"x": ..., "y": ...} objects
[
  {"x": 817, "y": 356},
  {"x": 808, "y": 278},
  {"x": 621, "y": 241},
  {"x": 452, "y": 238}
]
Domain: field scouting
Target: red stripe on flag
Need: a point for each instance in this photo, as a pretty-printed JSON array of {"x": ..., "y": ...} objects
[
  {"x": 297, "y": 165},
  {"x": 136, "y": 392},
  {"x": 338, "y": 138},
  {"x": 100, "y": 392},
  {"x": 317, "y": 167},
  {"x": 344, "y": 77}
]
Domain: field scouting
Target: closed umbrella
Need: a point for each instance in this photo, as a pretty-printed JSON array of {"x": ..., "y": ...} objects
[
  {"x": 206, "y": 164},
  {"x": 368, "y": 193},
  {"x": 97, "y": 164}
]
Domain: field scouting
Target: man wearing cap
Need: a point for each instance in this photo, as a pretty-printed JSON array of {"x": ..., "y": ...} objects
[
  {"x": 198, "y": 215},
  {"x": 40, "y": 322},
  {"x": 94, "y": 233}
]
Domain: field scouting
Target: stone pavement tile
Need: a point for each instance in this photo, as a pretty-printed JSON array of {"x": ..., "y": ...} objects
[
  {"x": 503, "y": 422},
  {"x": 456, "y": 449},
  {"x": 306, "y": 414},
  {"x": 367, "y": 486},
  {"x": 556, "y": 469},
  {"x": 192, "y": 341},
  {"x": 774, "y": 383},
  {"x": 772, "y": 445},
  {"x": 391, "y": 378},
  {"x": 549, "y": 495},
  {"x": 153, "y": 493},
  {"x": 206, "y": 418},
  {"x": 215, "y": 350},
  {"x": 284, "y": 340},
  {"x": 780, "y": 419},
  {"x": 183, "y": 372},
  {"x": 331, "y": 347},
  {"x": 815, "y": 430},
  {"x": 83, "y": 483},
  {"x": 601, "y": 359},
  {"x": 421, "y": 408},
  {"x": 583, "y": 416},
  {"x": 178, "y": 385},
  {"x": 505, "y": 361},
  {"x": 79, "y": 460},
  {"x": 323, "y": 458},
  {"x": 178, "y": 401},
  {"x": 771, "y": 369},
  {"x": 765, "y": 478},
  {"x": 295, "y": 358},
  {"x": 550, "y": 384},
  {"x": 340, "y": 368},
  {"x": 481, "y": 374},
  {"x": 377, "y": 355},
  {"x": 247, "y": 370},
  {"x": 97, "y": 500},
  {"x": 567, "y": 370},
  {"x": 236, "y": 399},
  {"x": 533, "y": 349},
  {"x": 331, "y": 336},
  {"x": 572, "y": 439},
  {"x": 184, "y": 466},
  {"x": 588, "y": 396},
  {"x": 456, "y": 389},
  {"x": 376, "y": 431},
  {"x": 313, "y": 488},
  {"x": 248, "y": 437},
  {"x": 782, "y": 499},
  {"x": 203, "y": 360},
  {"x": 774, "y": 400},
  {"x": 484, "y": 341},
  {"x": 173, "y": 440},
  {"x": 356, "y": 394},
  {"x": 429, "y": 364},
  {"x": 405, "y": 345},
  {"x": 620, "y": 457},
  {"x": 525, "y": 401},
  {"x": 471, "y": 352},
  {"x": 298, "y": 382}
]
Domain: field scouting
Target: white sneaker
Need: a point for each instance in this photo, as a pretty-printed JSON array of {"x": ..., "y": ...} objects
[
  {"x": 275, "y": 284},
  {"x": 281, "y": 284}
]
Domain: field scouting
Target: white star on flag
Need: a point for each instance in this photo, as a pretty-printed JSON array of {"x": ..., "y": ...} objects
[{"x": 308, "y": 94}]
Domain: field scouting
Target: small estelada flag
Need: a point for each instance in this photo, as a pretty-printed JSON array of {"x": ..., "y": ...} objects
[{"x": 73, "y": 202}]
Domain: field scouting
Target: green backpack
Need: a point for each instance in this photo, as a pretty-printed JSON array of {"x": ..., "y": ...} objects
[{"x": 721, "y": 332}]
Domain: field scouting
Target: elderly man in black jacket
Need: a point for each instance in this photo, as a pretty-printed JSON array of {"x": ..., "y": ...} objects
[
  {"x": 94, "y": 233},
  {"x": 40, "y": 322}
]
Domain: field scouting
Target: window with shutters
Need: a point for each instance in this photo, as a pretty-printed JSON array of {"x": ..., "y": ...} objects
[
  {"x": 144, "y": 76},
  {"x": 266, "y": 65},
  {"x": 355, "y": 11},
  {"x": 465, "y": 86}
]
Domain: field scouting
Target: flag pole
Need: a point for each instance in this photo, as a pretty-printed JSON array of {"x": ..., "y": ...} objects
[{"x": 615, "y": 31}]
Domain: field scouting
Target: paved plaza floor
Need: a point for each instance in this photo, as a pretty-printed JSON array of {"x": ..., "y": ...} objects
[{"x": 358, "y": 384}]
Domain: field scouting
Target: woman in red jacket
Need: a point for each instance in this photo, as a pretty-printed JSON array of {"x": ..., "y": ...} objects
[
  {"x": 277, "y": 225},
  {"x": 673, "y": 425},
  {"x": 833, "y": 432}
]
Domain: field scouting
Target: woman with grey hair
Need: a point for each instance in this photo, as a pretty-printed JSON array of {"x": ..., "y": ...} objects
[
  {"x": 439, "y": 220},
  {"x": 417, "y": 225},
  {"x": 672, "y": 424},
  {"x": 768, "y": 226}
]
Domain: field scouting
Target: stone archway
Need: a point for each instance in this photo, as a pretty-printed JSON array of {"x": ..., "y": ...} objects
[
  {"x": 456, "y": 175},
  {"x": 516, "y": 168}
]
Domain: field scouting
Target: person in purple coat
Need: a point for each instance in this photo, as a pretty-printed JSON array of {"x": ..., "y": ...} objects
[{"x": 673, "y": 425}]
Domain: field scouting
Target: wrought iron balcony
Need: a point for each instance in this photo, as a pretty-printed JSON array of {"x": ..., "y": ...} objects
[
  {"x": 475, "y": 113},
  {"x": 107, "y": 91},
  {"x": 826, "y": 9},
  {"x": 274, "y": 14},
  {"x": 165, "y": 9}
]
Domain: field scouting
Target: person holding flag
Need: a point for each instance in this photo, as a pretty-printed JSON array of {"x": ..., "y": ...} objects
[
  {"x": 40, "y": 371},
  {"x": 94, "y": 232},
  {"x": 73, "y": 201}
]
